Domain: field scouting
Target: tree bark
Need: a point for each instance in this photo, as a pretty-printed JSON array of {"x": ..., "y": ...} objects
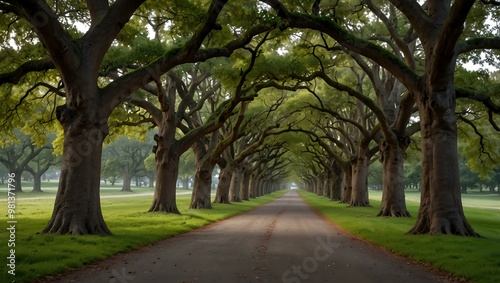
[
  {"x": 77, "y": 208},
  {"x": 327, "y": 184},
  {"x": 17, "y": 180},
  {"x": 127, "y": 179},
  {"x": 261, "y": 186},
  {"x": 151, "y": 180},
  {"x": 202, "y": 187},
  {"x": 223, "y": 188},
  {"x": 393, "y": 195},
  {"x": 252, "y": 185},
  {"x": 336, "y": 186},
  {"x": 319, "y": 185},
  {"x": 37, "y": 182},
  {"x": 347, "y": 188},
  {"x": 244, "y": 185},
  {"x": 440, "y": 209},
  {"x": 235, "y": 186},
  {"x": 167, "y": 170},
  {"x": 359, "y": 195}
]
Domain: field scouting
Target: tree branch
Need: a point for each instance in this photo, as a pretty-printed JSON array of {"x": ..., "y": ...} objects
[
  {"x": 478, "y": 43},
  {"x": 345, "y": 38},
  {"x": 31, "y": 66},
  {"x": 484, "y": 98},
  {"x": 55, "y": 39},
  {"x": 118, "y": 90},
  {"x": 444, "y": 51}
]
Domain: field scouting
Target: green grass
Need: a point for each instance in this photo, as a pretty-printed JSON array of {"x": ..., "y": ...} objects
[
  {"x": 476, "y": 259},
  {"x": 41, "y": 255},
  {"x": 50, "y": 188}
]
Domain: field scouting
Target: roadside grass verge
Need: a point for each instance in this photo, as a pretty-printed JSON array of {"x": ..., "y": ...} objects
[
  {"x": 40, "y": 255},
  {"x": 475, "y": 259}
]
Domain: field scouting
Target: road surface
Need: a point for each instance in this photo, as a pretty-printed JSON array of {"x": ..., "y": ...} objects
[{"x": 282, "y": 241}]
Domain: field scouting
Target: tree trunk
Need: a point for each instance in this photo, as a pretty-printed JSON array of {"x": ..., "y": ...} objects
[
  {"x": 310, "y": 185},
  {"x": 359, "y": 195},
  {"x": 252, "y": 185},
  {"x": 336, "y": 186},
  {"x": 202, "y": 187},
  {"x": 260, "y": 186},
  {"x": 492, "y": 189},
  {"x": 127, "y": 179},
  {"x": 319, "y": 185},
  {"x": 265, "y": 187},
  {"x": 244, "y": 185},
  {"x": 223, "y": 188},
  {"x": 167, "y": 171},
  {"x": 151, "y": 180},
  {"x": 185, "y": 183},
  {"x": 37, "y": 182},
  {"x": 235, "y": 186},
  {"x": 347, "y": 186},
  {"x": 464, "y": 189},
  {"x": 440, "y": 209},
  {"x": 327, "y": 184},
  {"x": 393, "y": 195},
  {"x": 77, "y": 208},
  {"x": 17, "y": 180}
]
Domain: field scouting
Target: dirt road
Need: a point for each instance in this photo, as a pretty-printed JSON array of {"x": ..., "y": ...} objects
[{"x": 282, "y": 241}]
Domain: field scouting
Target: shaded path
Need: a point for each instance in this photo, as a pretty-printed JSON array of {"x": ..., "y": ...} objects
[{"x": 282, "y": 241}]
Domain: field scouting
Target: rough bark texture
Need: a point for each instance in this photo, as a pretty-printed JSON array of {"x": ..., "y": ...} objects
[
  {"x": 202, "y": 186},
  {"x": 336, "y": 186},
  {"x": 393, "y": 195},
  {"x": 359, "y": 195},
  {"x": 77, "y": 208},
  {"x": 234, "y": 187},
  {"x": 347, "y": 186},
  {"x": 440, "y": 203},
  {"x": 222, "y": 194},
  {"x": 167, "y": 170}
]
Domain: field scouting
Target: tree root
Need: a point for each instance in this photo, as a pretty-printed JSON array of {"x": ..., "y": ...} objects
[
  {"x": 222, "y": 199},
  {"x": 443, "y": 226},
  {"x": 393, "y": 212},
  {"x": 159, "y": 207}
]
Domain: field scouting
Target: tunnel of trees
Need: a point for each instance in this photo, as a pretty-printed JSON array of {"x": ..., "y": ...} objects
[{"x": 268, "y": 92}]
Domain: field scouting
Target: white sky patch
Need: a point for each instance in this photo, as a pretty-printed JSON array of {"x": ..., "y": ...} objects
[{"x": 282, "y": 51}]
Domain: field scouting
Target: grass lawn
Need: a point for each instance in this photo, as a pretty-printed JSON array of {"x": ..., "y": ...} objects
[
  {"x": 50, "y": 188},
  {"x": 476, "y": 259},
  {"x": 41, "y": 255}
]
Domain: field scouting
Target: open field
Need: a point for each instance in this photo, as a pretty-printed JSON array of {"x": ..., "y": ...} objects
[
  {"x": 41, "y": 255},
  {"x": 476, "y": 259},
  {"x": 473, "y": 199},
  {"x": 50, "y": 188}
]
